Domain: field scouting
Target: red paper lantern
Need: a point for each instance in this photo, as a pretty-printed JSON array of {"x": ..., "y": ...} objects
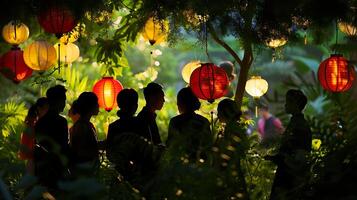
[
  {"x": 209, "y": 82},
  {"x": 335, "y": 74},
  {"x": 13, "y": 65},
  {"x": 57, "y": 20},
  {"x": 107, "y": 90}
]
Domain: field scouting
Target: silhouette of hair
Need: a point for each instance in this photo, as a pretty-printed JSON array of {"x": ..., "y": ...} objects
[
  {"x": 298, "y": 97},
  {"x": 31, "y": 114},
  {"x": 152, "y": 89},
  {"x": 41, "y": 102},
  {"x": 263, "y": 106},
  {"x": 229, "y": 109},
  {"x": 228, "y": 67},
  {"x": 86, "y": 102},
  {"x": 74, "y": 108},
  {"x": 126, "y": 98},
  {"x": 56, "y": 93},
  {"x": 186, "y": 98}
]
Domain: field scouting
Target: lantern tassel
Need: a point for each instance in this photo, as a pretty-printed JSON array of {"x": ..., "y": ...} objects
[
  {"x": 305, "y": 38},
  {"x": 212, "y": 122},
  {"x": 256, "y": 111},
  {"x": 59, "y": 58}
]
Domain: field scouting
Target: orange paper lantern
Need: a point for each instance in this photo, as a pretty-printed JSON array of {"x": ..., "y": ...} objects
[{"x": 107, "y": 90}]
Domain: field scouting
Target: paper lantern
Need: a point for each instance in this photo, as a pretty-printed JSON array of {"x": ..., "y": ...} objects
[
  {"x": 256, "y": 86},
  {"x": 57, "y": 20},
  {"x": 14, "y": 67},
  {"x": 188, "y": 69},
  {"x": 275, "y": 43},
  {"x": 15, "y": 33},
  {"x": 335, "y": 74},
  {"x": 107, "y": 90},
  {"x": 348, "y": 29},
  {"x": 209, "y": 82},
  {"x": 40, "y": 55},
  {"x": 155, "y": 31},
  {"x": 68, "y": 52}
]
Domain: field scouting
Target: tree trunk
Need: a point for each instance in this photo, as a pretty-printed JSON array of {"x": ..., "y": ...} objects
[{"x": 243, "y": 76}]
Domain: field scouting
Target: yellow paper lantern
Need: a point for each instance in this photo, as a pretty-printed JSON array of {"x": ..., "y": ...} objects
[
  {"x": 256, "y": 86},
  {"x": 40, "y": 55},
  {"x": 275, "y": 43},
  {"x": 188, "y": 69},
  {"x": 348, "y": 29},
  {"x": 68, "y": 52},
  {"x": 15, "y": 33},
  {"x": 155, "y": 31}
]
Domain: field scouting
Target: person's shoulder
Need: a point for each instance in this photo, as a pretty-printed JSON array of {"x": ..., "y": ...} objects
[{"x": 201, "y": 118}]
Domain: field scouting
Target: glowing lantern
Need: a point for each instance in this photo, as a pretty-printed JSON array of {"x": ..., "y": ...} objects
[
  {"x": 14, "y": 67},
  {"x": 348, "y": 29},
  {"x": 57, "y": 20},
  {"x": 15, "y": 33},
  {"x": 107, "y": 90},
  {"x": 68, "y": 52},
  {"x": 155, "y": 31},
  {"x": 209, "y": 82},
  {"x": 40, "y": 55},
  {"x": 256, "y": 86},
  {"x": 335, "y": 74},
  {"x": 275, "y": 43},
  {"x": 188, "y": 69}
]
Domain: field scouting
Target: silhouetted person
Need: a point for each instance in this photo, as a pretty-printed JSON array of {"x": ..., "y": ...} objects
[
  {"x": 27, "y": 143},
  {"x": 83, "y": 140},
  {"x": 51, "y": 133},
  {"x": 228, "y": 67},
  {"x": 154, "y": 97},
  {"x": 291, "y": 159},
  {"x": 132, "y": 155},
  {"x": 269, "y": 127},
  {"x": 189, "y": 133},
  {"x": 232, "y": 143},
  {"x": 73, "y": 112}
]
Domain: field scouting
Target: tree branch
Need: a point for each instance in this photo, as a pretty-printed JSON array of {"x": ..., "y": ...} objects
[{"x": 223, "y": 44}]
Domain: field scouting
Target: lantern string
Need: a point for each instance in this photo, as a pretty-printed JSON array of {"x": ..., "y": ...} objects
[
  {"x": 59, "y": 58},
  {"x": 336, "y": 30}
]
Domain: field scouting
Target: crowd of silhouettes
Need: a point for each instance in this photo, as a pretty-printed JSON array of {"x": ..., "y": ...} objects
[{"x": 134, "y": 146}]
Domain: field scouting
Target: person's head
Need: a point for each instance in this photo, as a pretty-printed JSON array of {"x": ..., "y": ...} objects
[
  {"x": 228, "y": 67},
  {"x": 187, "y": 101},
  {"x": 56, "y": 97},
  {"x": 295, "y": 101},
  {"x": 32, "y": 116},
  {"x": 127, "y": 100},
  {"x": 88, "y": 104},
  {"x": 264, "y": 111},
  {"x": 73, "y": 112},
  {"x": 228, "y": 111},
  {"x": 154, "y": 96},
  {"x": 42, "y": 106}
]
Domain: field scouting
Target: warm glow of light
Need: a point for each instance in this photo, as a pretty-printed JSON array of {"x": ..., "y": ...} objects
[
  {"x": 107, "y": 90},
  {"x": 68, "y": 52},
  {"x": 347, "y": 28},
  {"x": 40, "y": 55},
  {"x": 256, "y": 86},
  {"x": 275, "y": 43},
  {"x": 155, "y": 31},
  {"x": 15, "y": 33},
  {"x": 188, "y": 69}
]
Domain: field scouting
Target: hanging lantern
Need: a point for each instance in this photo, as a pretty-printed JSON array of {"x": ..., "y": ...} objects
[
  {"x": 256, "y": 87},
  {"x": 155, "y": 31},
  {"x": 335, "y": 74},
  {"x": 57, "y": 20},
  {"x": 40, "y": 55},
  {"x": 68, "y": 52},
  {"x": 209, "y": 82},
  {"x": 188, "y": 69},
  {"x": 15, "y": 33},
  {"x": 107, "y": 90},
  {"x": 348, "y": 29},
  {"x": 275, "y": 43},
  {"x": 13, "y": 66}
]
